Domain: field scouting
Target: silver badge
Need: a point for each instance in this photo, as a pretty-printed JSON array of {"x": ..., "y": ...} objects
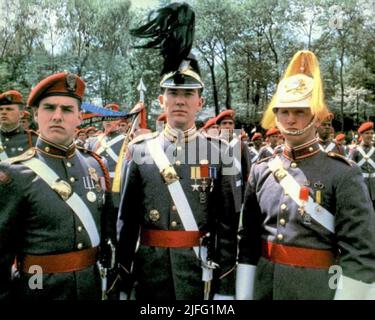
[
  {"x": 91, "y": 196},
  {"x": 71, "y": 82}
]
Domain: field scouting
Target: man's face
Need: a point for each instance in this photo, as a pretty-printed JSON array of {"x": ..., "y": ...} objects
[
  {"x": 367, "y": 137},
  {"x": 227, "y": 123},
  {"x": 9, "y": 115},
  {"x": 213, "y": 131},
  {"x": 25, "y": 124},
  {"x": 82, "y": 136},
  {"x": 273, "y": 140},
  {"x": 325, "y": 129},
  {"x": 57, "y": 117},
  {"x": 258, "y": 142},
  {"x": 123, "y": 126},
  {"x": 294, "y": 119},
  {"x": 181, "y": 106}
]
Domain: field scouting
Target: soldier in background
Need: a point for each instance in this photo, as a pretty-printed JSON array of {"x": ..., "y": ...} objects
[
  {"x": 257, "y": 141},
  {"x": 14, "y": 140},
  {"x": 55, "y": 205},
  {"x": 81, "y": 137},
  {"x": 326, "y": 142},
  {"x": 211, "y": 128},
  {"x": 364, "y": 156},
  {"x": 176, "y": 196},
  {"x": 272, "y": 138},
  {"x": 305, "y": 210},
  {"x": 108, "y": 145},
  {"x": 240, "y": 150},
  {"x": 340, "y": 140}
]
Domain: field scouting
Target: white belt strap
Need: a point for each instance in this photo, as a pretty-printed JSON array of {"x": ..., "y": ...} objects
[
  {"x": 74, "y": 201},
  {"x": 3, "y": 154},
  {"x": 330, "y": 147},
  {"x": 366, "y": 157},
  {"x": 107, "y": 146},
  {"x": 292, "y": 187},
  {"x": 368, "y": 175},
  {"x": 178, "y": 197}
]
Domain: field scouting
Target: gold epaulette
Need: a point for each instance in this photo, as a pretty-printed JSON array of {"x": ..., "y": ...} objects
[
  {"x": 27, "y": 155},
  {"x": 337, "y": 156},
  {"x": 143, "y": 137}
]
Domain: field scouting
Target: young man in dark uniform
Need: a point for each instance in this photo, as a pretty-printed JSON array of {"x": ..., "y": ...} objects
[
  {"x": 55, "y": 208},
  {"x": 178, "y": 198},
  {"x": 308, "y": 220},
  {"x": 364, "y": 156},
  {"x": 14, "y": 140}
]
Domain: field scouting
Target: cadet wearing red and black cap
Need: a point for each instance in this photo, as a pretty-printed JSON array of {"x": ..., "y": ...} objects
[
  {"x": 272, "y": 138},
  {"x": 211, "y": 128},
  {"x": 108, "y": 145},
  {"x": 257, "y": 141},
  {"x": 14, "y": 139},
  {"x": 364, "y": 156},
  {"x": 60, "y": 197}
]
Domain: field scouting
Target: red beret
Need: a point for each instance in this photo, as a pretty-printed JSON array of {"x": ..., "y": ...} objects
[
  {"x": 210, "y": 122},
  {"x": 256, "y": 135},
  {"x": 272, "y": 131},
  {"x": 26, "y": 115},
  {"x": 340, "y": 137},
  {"x": 112, "y": 106},
  {"x": 365, "y": 126},
  {"x": 162, "y": 117},
  {"x": 10, "y": 97},
  {"x": 225, "y": 114},
  {"x": 58, "y": 84}
]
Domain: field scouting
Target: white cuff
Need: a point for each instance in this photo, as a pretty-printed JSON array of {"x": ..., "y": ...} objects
[
  {"x": 350, "y": 289},
  {"x": 222, "y": 297},
  {"x": 245, "y": 276}
]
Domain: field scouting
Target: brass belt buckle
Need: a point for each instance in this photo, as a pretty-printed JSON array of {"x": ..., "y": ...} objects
[
  {"x": 280, "y": 174},
  {"x": 63, "y": 189},
  {"x": 169, "y": 175}
]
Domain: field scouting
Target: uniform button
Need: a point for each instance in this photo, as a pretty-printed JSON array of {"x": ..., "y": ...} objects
[
  {"x": 46, "y": 149},
  {"x": 280, "y": 237},
  {"x": 79, "y": 246},
  {"x": 72, "y": 179},
  {"x": 178, "y": 162},
  {"x": 6, "y": 139},
  {"x": 68, "y": 164},
  {"x": 282, "y": 222},
  {"x": 174, "y": 208},
  {"x": 311, "y": 149},
  {"x": 283, "y": 207},
  {"x": 293, "y": 165},
  {"x": 174, "y": 224},
  {"x": 79, "y": 229}
]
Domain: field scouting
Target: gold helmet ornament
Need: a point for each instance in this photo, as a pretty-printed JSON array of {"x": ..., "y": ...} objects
[{"x": 300, "y": 87}]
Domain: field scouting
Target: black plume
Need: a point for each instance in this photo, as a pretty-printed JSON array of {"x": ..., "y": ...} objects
[{"x": 171, "y": 31}]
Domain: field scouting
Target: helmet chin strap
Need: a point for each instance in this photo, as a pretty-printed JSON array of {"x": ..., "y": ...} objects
[{"x": 295, "y": 132}]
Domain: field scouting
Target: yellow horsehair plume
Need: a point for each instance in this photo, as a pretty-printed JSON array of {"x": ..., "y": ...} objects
[{"x": 305, "y": 62}]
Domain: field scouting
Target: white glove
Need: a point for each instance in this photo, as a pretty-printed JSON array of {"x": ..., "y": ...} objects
[
  {"x": 350, "y": 289},
  {"x": 245, "y": 276},
  {"x": 222, "y": 297}
]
